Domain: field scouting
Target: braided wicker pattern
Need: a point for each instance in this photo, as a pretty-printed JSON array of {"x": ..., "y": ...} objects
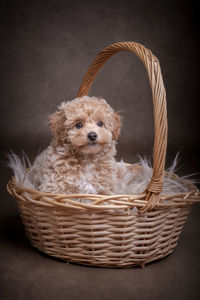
[
  {"x": 107, "y": 231},
  {"x": 118, "y": 230}
]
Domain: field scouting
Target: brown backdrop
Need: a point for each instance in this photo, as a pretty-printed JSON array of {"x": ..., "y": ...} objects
[{"x": 46, "y": 48}]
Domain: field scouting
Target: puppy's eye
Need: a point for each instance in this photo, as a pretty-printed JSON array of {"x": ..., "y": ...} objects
[
  {"x": 79, "y": 125},
  {"x": 100, "y": 124}
]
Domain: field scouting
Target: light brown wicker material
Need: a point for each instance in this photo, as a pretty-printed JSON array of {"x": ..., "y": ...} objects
[{"x": 118, "y": 230}]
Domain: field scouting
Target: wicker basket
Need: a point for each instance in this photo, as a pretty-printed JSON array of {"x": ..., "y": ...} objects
[{"x": 118, "y": 230}]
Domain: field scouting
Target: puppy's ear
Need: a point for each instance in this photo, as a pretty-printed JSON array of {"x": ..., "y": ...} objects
[
  {"x": 117, "y": 122},
  {"x": 57, "y": 124}
]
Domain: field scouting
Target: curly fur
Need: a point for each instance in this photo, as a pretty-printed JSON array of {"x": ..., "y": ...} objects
[{"x": 73, "y": 163}]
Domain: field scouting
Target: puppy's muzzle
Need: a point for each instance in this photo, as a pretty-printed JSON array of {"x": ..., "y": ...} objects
[{"x": 92, "y": 136}]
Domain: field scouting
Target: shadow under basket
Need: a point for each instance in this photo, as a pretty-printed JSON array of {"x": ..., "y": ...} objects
[{"x": 117, "y": 230}]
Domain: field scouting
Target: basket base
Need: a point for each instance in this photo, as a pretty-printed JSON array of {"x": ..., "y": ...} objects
[
  {"x": 115, "y": 265},
  {"x": 115, "y": 240}
]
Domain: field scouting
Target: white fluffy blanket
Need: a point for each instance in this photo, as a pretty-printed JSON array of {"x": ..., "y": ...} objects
[{"x": 142, "y": 175}]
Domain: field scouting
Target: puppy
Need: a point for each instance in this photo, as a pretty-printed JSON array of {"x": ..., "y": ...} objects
[{"x": 80, "y": 158}]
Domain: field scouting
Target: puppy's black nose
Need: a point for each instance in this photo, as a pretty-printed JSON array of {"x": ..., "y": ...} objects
[{"x": 92, "y": 136}]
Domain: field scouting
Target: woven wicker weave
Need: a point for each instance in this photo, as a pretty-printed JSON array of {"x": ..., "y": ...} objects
[{"x": 118, "y": 230}]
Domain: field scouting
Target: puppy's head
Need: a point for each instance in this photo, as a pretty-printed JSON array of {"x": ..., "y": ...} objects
[{"x": 87, "y": 124}]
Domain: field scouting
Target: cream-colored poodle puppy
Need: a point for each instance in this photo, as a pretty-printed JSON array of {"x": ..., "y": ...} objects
[{"x": 80, "y": 158}]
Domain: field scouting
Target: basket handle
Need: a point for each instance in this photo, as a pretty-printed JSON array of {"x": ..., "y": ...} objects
[{"x": 160, "y": 110}]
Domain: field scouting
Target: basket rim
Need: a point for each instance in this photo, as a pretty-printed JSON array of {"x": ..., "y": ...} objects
[{"x": 102, "y": 202}]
